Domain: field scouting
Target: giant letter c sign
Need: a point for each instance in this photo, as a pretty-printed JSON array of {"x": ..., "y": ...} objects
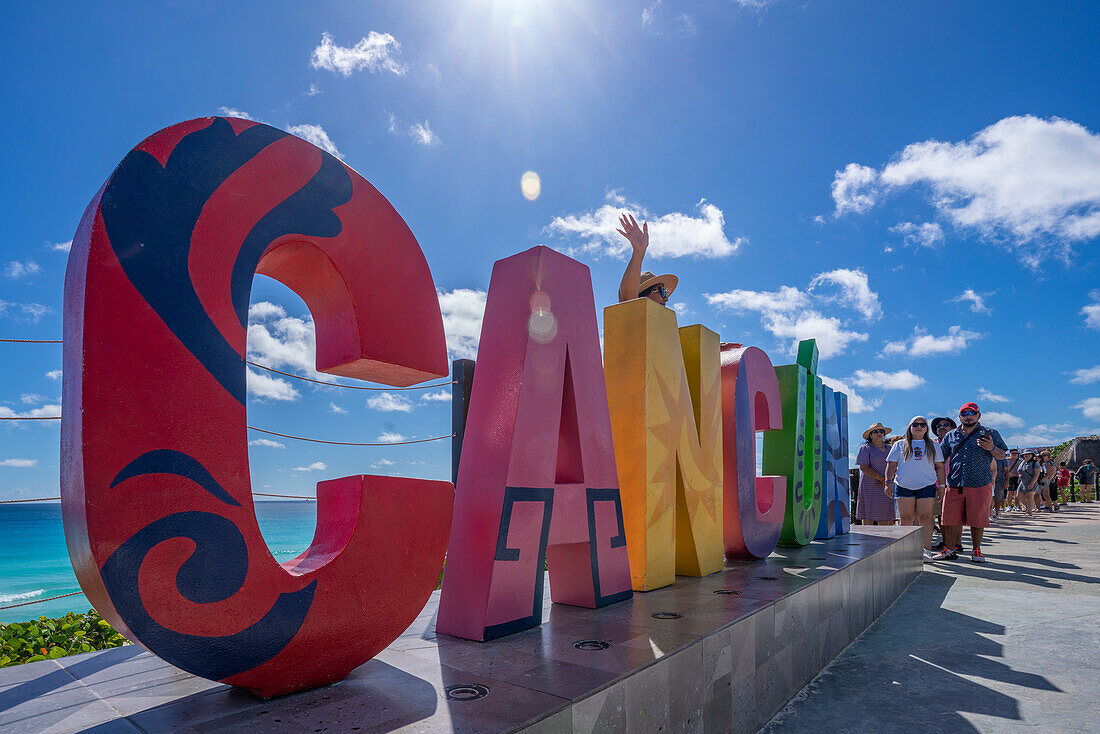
[{"x": 155, "y": 484}]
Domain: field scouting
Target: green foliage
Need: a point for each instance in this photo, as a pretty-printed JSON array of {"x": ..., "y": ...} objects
[{"x": 49, "y": 639}]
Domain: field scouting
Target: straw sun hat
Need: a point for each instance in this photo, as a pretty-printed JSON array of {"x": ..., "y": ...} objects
[
  {"x": 875, "y": 427},
  {"x": 649, "y": 280}
]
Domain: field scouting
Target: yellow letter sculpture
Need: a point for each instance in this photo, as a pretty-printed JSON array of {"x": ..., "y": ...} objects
[{"x": 663, "y": 390}]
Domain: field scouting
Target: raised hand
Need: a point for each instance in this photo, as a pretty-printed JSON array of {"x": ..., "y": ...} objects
[{"x": 637, "y": 236}]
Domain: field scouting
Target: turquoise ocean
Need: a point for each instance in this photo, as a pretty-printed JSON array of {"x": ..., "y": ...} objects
[{"x": 34, "y": 562}]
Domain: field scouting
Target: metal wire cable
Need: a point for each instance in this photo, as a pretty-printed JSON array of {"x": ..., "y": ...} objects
[
  {"x": 296, "y": 438},
  {"x": 31, "y": 341},
  {"x": 31, "y": 418},
  {"x": 39, "y": 601},
  {"x": 349, "y": 387},
  {"x": 351, "y": 443}
]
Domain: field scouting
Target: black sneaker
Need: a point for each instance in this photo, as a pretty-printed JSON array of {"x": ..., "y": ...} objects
[{"x": 938, "y": 546}]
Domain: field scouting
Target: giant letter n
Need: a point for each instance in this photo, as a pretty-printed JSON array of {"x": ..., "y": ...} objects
[
  {"x": 536, "y": 479},
  {"x": 663, "y": 387}
]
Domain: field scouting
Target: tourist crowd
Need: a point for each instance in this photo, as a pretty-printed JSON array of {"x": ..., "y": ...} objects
[{"x": 942, "y": 475}]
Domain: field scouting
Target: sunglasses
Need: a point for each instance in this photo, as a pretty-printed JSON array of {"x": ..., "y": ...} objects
[
  {"x": 659, "y": 288},
  {"x": 878, "y": 431},
  {"x": 919, "y": 425},
  {"x": 968, "y": 412}
]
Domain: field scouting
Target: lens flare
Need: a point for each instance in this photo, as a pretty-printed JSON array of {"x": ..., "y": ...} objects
[{"x": 530, "y": 185}]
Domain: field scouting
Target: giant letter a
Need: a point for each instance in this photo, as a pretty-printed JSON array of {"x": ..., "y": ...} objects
[{"x": 536, "y": 479}]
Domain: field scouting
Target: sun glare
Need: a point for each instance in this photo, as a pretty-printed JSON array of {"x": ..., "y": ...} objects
[{"x": 531, "y": 185}]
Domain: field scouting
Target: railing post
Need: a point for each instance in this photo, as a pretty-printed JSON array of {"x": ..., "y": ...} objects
[{"x": 462, "y": 372}]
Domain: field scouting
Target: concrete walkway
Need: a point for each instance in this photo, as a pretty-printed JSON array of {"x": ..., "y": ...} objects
[{"x": 1013, "y": 645}]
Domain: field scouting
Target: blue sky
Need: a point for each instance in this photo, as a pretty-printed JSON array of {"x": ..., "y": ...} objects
[{"x": 915, "y": 184}]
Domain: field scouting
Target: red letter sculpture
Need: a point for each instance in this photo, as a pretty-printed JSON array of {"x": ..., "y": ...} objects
[
  {"x": 753, "y": 506},
  {"x": 155, "y": 483},
  {"x": 536, "y": 480}
]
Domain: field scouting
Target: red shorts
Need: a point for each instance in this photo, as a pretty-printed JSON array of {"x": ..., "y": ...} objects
[{"x": 970, "y": 507}]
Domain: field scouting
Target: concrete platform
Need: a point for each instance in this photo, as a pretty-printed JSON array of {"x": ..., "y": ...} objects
[
  {"x": 685, "y": 658},
  {"x": 1008, "y": 646}
]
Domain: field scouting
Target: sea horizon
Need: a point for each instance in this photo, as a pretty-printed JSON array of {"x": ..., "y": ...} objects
[{"x": 34, "y": 562}]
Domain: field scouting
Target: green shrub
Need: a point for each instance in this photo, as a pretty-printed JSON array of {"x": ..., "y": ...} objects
[{"x": 47, "y": 639}]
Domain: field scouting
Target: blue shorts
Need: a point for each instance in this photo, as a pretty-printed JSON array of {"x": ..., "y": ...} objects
[{"x": 923, "y": 493}]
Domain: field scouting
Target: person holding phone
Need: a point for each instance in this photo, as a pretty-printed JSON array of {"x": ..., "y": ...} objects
[{"x": 970, "y": 449}]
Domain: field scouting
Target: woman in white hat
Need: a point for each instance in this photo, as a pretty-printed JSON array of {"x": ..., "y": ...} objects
[
  {"x": 637, "y": 283},
  {"x": 1029, "y": 479},
  {"x": 873, "y": 506}
]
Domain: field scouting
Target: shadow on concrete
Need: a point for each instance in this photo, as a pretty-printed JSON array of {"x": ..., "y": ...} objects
[{"x": 919, "y": 667}]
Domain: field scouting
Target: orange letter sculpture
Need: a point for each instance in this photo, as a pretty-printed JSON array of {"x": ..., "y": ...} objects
[{"x": 663, "y": 387}]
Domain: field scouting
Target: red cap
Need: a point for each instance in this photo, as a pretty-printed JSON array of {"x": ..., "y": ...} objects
[{"x": 970, "y": 406}]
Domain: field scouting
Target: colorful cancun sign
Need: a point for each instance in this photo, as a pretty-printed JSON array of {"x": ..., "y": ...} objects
[{"x": 618, "y": 471}]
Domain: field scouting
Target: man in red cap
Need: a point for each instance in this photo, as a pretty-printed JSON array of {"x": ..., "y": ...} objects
[{"x": 971, "y": 447}]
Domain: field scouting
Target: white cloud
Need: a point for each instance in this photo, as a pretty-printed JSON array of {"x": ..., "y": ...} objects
[
  {"x": 283, "y": 342},
  {"x": 786, "y": 300},
  {"x": 314, "y": 90},
  {"x": 334, "y": 408},
  {"x": 268, "y": 387},
  {"x": 976, "y": 301},
  {"x": 789, "y": 313},
  {"x": 463, "y": 310},
  {"x": 854, "y": 189},
  {"x": 375, "y": 53},
  {"x": 391, "y": 437},
  {"x": 854, "y": 289},
  {"x": 856, "y": 402},
  {"x": 661, "y": 22},
  {"x": 266, "y": 442},
  {"x": 382, "y": 463},
  {"x": 928, "y": 234},
  {"x": 675, "y": 234},
  {"x": 19, "y": 463},
  {"x": 1033, "y": 183},
  {"x": 262, "y": 310},
  {"x": 436, "y": 397},
  {"x": 16, "y": 269},
  {"x": 54, "y": 374},
  {"x": 1090, "y": 407},
  {"x": 901, "y": 380},
  {"x": 992, "y": 397},
  {"x": 1091, "y": 312},
  {"x": 32, "y": 398},
  {"x": 315, "y": 134},
  {"x": 829, "y": 331},
  {"x": 1086, "y": 376},
  {"x": 62, "y": 246},
  {"x": 422, "y": 134},
  {"x": 23, "y": 312},
  {"x": 1001, "y": 420},
  {"x": 315, "y": 466},
  {"x": 387, "y": 402},
  {"x": 1042, "y": 435},
  {"x": 923, "y": 344},
  {"x": 234, "y": 112}
]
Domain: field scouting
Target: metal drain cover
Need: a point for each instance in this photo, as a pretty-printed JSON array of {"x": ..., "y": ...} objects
[
  {"x": 466, "y": 692},
  {"x": 591, "y": 644}
]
